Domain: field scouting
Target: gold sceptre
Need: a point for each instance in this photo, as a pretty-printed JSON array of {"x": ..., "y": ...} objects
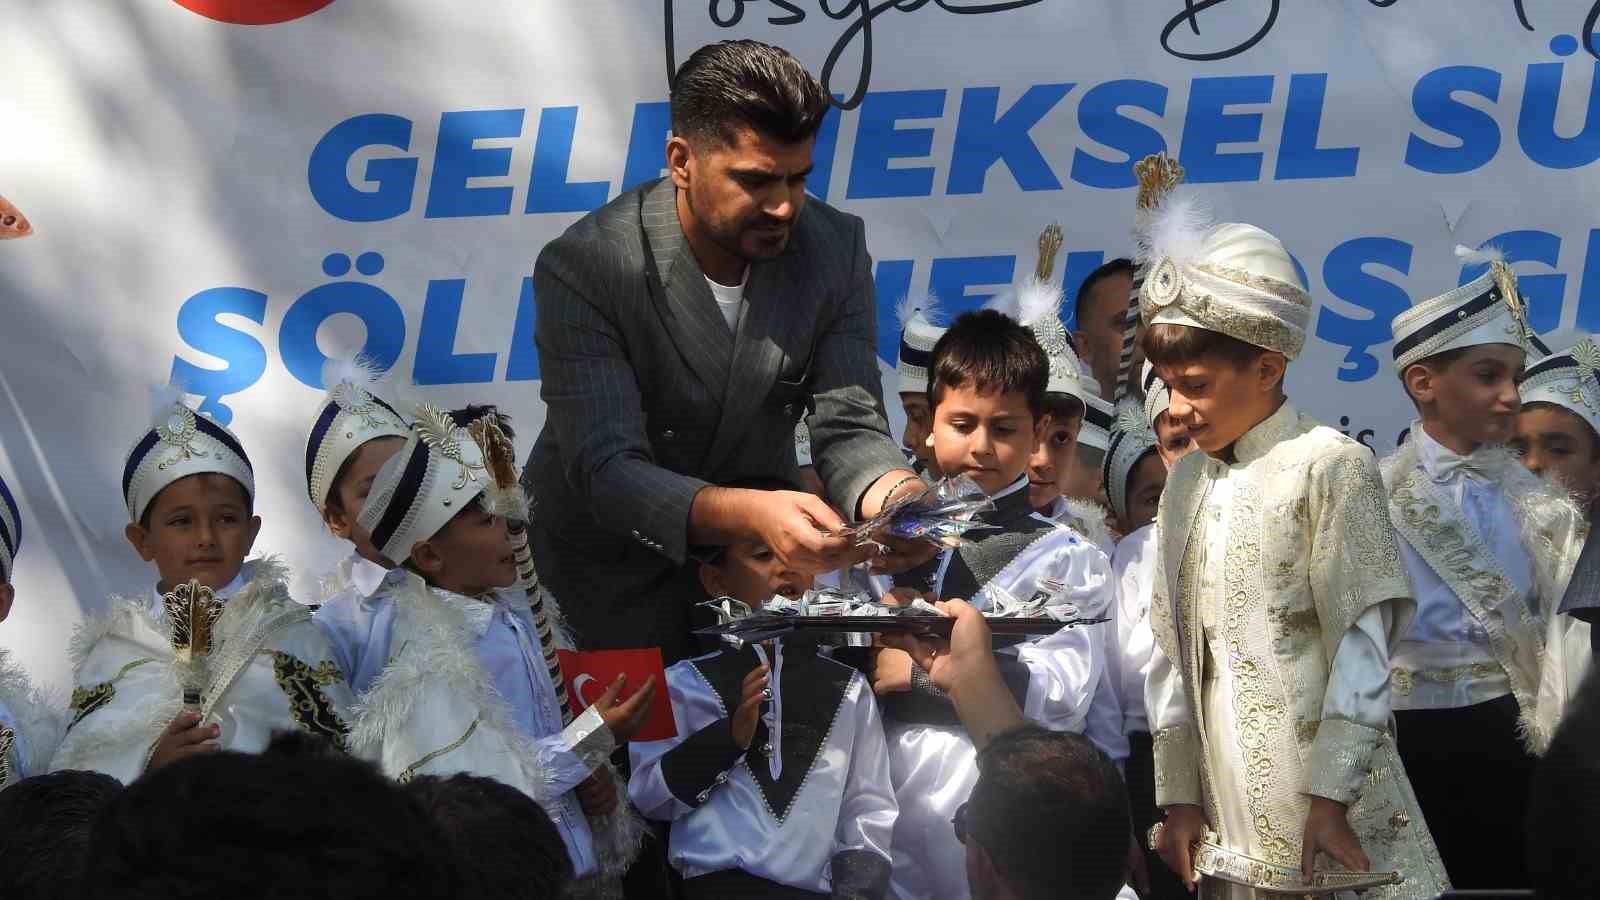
[
  {"x": 192, "y": 612},
  {"x": 1157, "y": 174},
  {"x": 1049, "y": 245}
]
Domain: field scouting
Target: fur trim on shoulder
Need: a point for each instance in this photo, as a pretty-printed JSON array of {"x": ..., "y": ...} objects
[
  {"x": 1089, "y": 519},
  {"x": 620, "y": 835},
  {"x": 1396, "y": 464},
  {"x": 40, "y": 713},
  {"x": 123, "y": 614}
]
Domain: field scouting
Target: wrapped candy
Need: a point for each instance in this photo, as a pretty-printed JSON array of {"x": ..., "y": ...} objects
[{"x": 940, "y": 515}]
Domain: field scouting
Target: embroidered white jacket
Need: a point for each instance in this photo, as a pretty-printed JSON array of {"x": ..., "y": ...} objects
[{"x": 270, "y": 670}]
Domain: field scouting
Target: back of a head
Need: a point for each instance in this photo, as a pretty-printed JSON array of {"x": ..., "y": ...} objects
[
  {"x": 504, "y": 843},
  {"x": 1051, "y": 812},
  {"x": 45, "y": 822},
  {"x": 730, "y": 84},
  {"x": 1563, "y": 826},
  {"x": 989, "y": 352},
  {"x": 306, "y": 826}
]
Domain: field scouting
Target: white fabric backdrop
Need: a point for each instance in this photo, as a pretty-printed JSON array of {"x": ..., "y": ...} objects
[{"x": 228, "y": 202}]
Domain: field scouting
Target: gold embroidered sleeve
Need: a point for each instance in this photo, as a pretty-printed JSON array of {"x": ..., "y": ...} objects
[
  {"x": 1355, "y": 558},
  {"x": 308, "y": 704},
  {"x": 1340, "y": 759},
  {"x": 1177, "y": 765}
]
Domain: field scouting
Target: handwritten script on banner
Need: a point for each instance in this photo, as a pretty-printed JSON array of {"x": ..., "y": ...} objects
[{"x": 861, "y": 15}]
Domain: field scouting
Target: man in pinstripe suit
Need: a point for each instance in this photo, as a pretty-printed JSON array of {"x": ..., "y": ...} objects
[{"x": 683, "y": 329}]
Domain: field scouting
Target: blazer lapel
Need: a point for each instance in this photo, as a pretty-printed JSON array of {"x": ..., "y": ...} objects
[
  {"x": 771, "y": 312},
  {"x": 689, "y": 311}
]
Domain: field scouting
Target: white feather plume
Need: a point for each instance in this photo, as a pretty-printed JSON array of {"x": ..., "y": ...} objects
[
  {"x": 1037, "y": 301},
  {"x": 926, "y": 304},
  {"x": 361, "y": 371},
  {"x": 1177, "y": 228},
  {"x": 1483, "y": 256},
  {"x": 162, "y": 398}
]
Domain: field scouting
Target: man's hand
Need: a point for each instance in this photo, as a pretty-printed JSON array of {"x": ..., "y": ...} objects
[
  {"x": 627, "y": 717},
  {"x": 891, "y": 671},
  {"x": 901, "y": 555},
  {"x": 752, "y": 694},
  {"x": 1185, "y": 826},
  {"x": 183, "y": 738},
  {"x": 1328, "y": 830},
  {"x": 801, "y": 529},
  {"x": 597, "y": 794},
  {"x": 965, "y": 669}
]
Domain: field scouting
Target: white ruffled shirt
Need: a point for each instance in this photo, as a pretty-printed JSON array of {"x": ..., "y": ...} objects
[
  {"x": 1445, "y": 638},
  {"x": 1133, "y": 571}
]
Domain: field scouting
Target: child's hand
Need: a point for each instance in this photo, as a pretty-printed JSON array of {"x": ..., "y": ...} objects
[
  {"x": 891, "y": 671},
  {"x": 1328, "y": 830},
  {"x": 183, "y": 738},
  {"x": 597, "y": 794},
  {"x": 626, "y": 718},
  {"x": 751, "y": 695}
]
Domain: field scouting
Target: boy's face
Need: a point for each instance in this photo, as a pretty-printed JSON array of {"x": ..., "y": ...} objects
[
  {"x": 988, "y": 437},
  {"x": 1053, "y": 460},
  {"x": 200, "y": 527},
  {"x": 470, "y": 555},
  {"x": 1085, "y": 480},
  {"x": 752, "y": 574},
  {"x": 8, "y": 595},
  {"x": 350, "y": 494},
  {"x": 1145, "y": 483},
  {"x": 1556, "y": 443},
  {"x": 1216, "y": 402},
  {"x": 919, "y": 424},
  {"x": 1172, "y": 439},
  {"x": 1473, "y": 398}
]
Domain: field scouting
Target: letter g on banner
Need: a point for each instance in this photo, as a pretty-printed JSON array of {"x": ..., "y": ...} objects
[{"x": 253, "y": 12}]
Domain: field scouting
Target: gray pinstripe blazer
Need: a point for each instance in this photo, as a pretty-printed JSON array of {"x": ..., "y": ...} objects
[{"x": 651, "y": 397}]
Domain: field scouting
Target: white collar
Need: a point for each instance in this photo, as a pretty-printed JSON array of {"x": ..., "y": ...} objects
[
  {"x": 480, "y": 611},
  {"x": 1440, "y": 462},
  {"x": 1012, "y": 488},
  {"x": 363, "y": 574}
]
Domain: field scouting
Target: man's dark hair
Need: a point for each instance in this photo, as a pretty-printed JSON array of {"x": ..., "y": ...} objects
[
  {"x": 44, "y": 832},
  {"x": 745, "y": 83},
  {"x": 1050, "y": 810},
  {"x": 990, "y": 352},
  {"x": 1563, "y": 830},
  {"x": 269, "y": 826},
  {"x": 1119, "y": 266},
  {"x": 504, "y": 843}
]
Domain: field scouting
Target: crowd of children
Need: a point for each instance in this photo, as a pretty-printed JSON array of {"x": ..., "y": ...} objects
[{"x": 1299, "y": 640}]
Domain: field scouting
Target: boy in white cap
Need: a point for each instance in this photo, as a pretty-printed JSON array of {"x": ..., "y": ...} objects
[
  {"x": 354, "y": 432},
  {"x": 467, "y": 686},
  {"x": 1558, "y": 429},
  {"x": 30, "y": 724},
  {"x": 1488, "y": 548},
  {"x": 1278, "y": 588},
  {"x": 920, "y": 329},
  {"x": 217, "y": 655}
]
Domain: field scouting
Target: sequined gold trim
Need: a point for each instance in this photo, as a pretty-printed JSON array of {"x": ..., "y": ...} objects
[
  {"x": 1177, "y": 758},
  {"x": 86, "y": 700},
  {"x": 1459, "y": 557},
  {"x": 309, "y": 706},
  {"x": 410, "y": 771},
  {"x": 1260, "y": 713},
  {"x": 1218, "y": 862},
  {"x": 1404, "y": 681}
]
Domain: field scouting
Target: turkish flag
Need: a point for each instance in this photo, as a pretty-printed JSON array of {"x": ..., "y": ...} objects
[{"x": 590, "y": 672}]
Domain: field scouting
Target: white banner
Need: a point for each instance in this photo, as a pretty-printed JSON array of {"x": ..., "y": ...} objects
[{"x": 227, "y": 192}]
